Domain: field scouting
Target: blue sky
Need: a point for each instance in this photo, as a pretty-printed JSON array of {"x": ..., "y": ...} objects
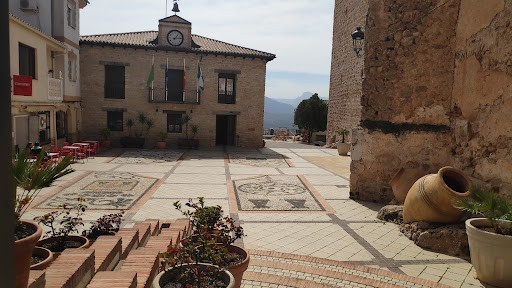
[{"x": 299, "y": 32}]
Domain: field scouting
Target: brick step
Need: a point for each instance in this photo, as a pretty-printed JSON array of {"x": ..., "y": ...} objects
[
  {"x": 108, "y": 251},
  {"x": 114, "y": 279},
  {"x": 37, "y": 279},
  {"x": 144, "y": 232},
  {"x": 144, "y": 262},
  {"x": 74, "y": 269},
  {"x": 129, "y": 240}
]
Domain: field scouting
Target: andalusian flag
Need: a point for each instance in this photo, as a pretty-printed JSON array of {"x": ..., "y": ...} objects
[
  {"x": 151, "y": 76},
  {"x": 200, "y": 80}
]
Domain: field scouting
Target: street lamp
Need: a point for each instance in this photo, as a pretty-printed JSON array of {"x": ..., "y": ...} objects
[{"x": 358, "y": 40}]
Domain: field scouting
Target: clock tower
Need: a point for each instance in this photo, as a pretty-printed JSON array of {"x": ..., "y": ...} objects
[{"x": 174, "y": 31}]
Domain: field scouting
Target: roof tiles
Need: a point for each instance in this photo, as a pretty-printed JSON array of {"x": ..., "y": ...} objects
[{"x": 148, "y": 39}]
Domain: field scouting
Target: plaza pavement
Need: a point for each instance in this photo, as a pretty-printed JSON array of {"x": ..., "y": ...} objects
[{"x": 291, "y": 198}]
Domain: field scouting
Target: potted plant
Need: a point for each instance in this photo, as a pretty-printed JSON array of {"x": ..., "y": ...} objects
[
  {"x": 490, "y": 237},
  {"x": 61, "y": 237},
  {"x": 188, "y": 143},
  {"x": 210, "y": 223},
  {"x": 183, "y": 264},
  {"x": 107, "y": 224},
  {"x": 343, "y": 147},
  {"x": 105, "y": 138},
  {"x": 29, "y": 177},
  {"x": 161, "y": 143},
  {"x": 138, "y": 139}
]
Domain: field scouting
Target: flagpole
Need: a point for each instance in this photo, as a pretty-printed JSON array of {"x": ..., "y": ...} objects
[
  {"x": 166, "y": 76},
  {"x": 166, "y": 8}
]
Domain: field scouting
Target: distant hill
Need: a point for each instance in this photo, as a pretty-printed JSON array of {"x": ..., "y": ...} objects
[
  {"x": 295, "y": 102},
  {"x": 278, "y": 114}
]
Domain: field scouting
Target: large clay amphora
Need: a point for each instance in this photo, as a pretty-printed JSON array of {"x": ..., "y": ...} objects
[{"x": 431, "y": 197}]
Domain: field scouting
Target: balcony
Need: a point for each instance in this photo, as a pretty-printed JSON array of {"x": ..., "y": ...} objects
[
  {"x": 160, "y": 95},
  {"x": 55, "y": 89}
]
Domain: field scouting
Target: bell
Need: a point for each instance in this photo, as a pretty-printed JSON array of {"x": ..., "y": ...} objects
[{"x": 175, "y": 8}]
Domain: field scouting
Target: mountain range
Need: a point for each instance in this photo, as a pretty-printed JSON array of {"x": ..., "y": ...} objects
[{"x": 279, "y": 112}]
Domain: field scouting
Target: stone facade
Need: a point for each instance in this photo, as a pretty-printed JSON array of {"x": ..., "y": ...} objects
[
  {"x": 346, "y": 69},
  {"x": 437, "y": 82},
  {"x": 250, "y": 89}
]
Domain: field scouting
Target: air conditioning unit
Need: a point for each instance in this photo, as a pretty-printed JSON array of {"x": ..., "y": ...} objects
[{"x": 28, "y": 5}]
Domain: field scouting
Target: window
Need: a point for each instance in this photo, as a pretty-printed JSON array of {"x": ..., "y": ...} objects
[
  {"x": 71, "y": 13},
  {"x": 174, "y": 122},
  {"x": 115, "y": 120},
  {"x": 72, "y": 69},
  {"x": 27, "y": 60},
  {"x": 60, "y": 119},
  {"x": 227, "y": 88},
  {"x": 114, "y": 81}
]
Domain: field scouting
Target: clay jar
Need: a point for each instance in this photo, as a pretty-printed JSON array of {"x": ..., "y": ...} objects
[{"x": 431, "y": 197}]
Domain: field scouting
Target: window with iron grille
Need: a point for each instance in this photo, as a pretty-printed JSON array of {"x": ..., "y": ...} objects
[
  {"x": 27, "y": 61},
  {"x": 114, "y": 81},
  {"x": 115, "y": 120},
  {"x": 227, "y": 88},
  {"x": 174, "y": 122},
  {"x": 71, "y": 14}
]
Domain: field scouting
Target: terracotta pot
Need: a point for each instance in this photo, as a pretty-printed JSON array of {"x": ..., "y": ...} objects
[
  {"x": 23, "y": 254},
  {"x": 161, "y": 144},
  {"x": 491, "y": 253},
  {"x": 238, "y": 270},
  {"x": 343, "y": 148},
  {"x": 431, "y": 197},
  {"x": 403, "y": 181},
  {"x": 46, "y": 242},
  {"x": 169, "y": 276},
  {"x": 43, "y": 253}
]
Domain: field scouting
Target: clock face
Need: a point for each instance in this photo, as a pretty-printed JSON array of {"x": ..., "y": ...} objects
[{"x": 175, "y": 37}]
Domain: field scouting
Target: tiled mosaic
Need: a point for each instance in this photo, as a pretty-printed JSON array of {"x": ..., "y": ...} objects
[
  {"x": 258, "y": 160},
  {"x": 103, "y": 190},
  {"x": 274, "y": 193},
  {"x": 147, "y": 157}
]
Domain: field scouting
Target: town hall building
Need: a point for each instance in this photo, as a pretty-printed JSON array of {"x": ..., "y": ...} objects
[{"x": 219, "y": 86}]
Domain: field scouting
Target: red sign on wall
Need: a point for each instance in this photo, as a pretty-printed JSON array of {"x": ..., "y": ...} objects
[{"x": 22, "y": 85}]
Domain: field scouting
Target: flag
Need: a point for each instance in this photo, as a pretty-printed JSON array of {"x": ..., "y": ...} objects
[
  {"x": 200, "y": 80},
  {"x": 151, "y": 76}
]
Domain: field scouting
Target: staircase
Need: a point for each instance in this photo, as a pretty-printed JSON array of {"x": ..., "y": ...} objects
[{"x": 127, "y": 259}]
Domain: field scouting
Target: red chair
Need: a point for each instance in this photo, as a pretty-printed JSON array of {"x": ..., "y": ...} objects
[
  {"x": 91, "y": 149},
  {"x": 67, "y": 144},
  {"x": 80, "y": 153}
]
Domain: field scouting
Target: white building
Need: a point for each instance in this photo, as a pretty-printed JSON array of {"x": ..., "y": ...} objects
[{"x": 44, "y": 44}]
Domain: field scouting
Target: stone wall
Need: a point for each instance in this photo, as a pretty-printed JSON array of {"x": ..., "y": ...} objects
[
  {"x": 346, "y": 69},
  {"x": 250, "y": 90},
  {"x": 406, "y": 99},
  {"x": 437, "y": 91},
  {"x": 482, "y": 92}
]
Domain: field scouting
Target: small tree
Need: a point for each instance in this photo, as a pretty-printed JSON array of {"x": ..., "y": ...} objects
[{"x": 311, "y": 115}]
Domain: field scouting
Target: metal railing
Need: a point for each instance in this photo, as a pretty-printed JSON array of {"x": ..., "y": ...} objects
[
  {"x": 160, "y": 95},
  {"x": 55, "y": 92}
]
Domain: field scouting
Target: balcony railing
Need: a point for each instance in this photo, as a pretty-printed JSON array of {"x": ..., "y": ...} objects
[
  {"x": 160, "y": 95},
  {"x": 55, "y": 89}
]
